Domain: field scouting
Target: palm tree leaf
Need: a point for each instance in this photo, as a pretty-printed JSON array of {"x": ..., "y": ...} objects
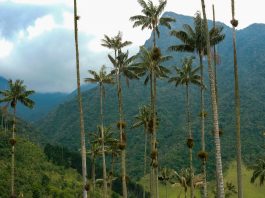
[
  {"x": 165, "y": 21},
  {"x": 161, "y": 7}
]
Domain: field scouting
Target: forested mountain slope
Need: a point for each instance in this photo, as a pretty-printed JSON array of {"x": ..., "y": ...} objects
[{"x": 61, "y": 126}]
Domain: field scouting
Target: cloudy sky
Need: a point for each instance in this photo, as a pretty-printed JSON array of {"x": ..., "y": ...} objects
[{"x": 37, "y": 38}]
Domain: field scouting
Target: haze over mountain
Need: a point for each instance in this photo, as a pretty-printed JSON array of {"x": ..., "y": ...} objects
[
  {"x": 44, "y": 102},
  {"x": 61, "y": 126}
]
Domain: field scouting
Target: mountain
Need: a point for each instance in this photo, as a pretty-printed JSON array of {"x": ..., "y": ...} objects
[
  {"x": 62, "y": 125},
  {"x": 44, "y": 102}
]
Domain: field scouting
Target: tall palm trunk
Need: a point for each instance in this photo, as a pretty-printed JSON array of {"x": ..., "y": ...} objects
[
  {"x": 215, "y": 61},
  {"x": 93, "y": 171},
  {"x": 122, "y": 138},
  {"x": 82, "y": 128},
  {"x": 112, "y": 169},
  {"x": 190, "y": 137},
  {"x": 237, "y": 109},
  {"x": 145, "y": 151},
  {"x": 203, "y": 130},
  {"x": 219, "y": 171},
  {"x": 105, "y": 189},
  {"x": 152, "y": 176},
  {"x": 13, "y": 154},
  {"x": 155, "y": 142}
]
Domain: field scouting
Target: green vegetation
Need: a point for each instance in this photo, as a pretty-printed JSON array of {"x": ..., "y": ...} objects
[
  {"x": 35, "y": 175},
  {"x": 164, "y": 120},
  {"x": 230, "y": 177}
]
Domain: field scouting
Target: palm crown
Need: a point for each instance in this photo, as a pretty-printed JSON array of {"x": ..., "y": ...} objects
[
  {"x": 122, "y": 65},
  {"x": 101, "y": 77},
  {"x": 186, "y": 75},
  {"x": 17, "y": 92},
  {"x": 193, "y": 39},
  {"x": 115, "y": 42},
  {"x": 150, "y": 18},
  {"x": 151, "y": 60}
]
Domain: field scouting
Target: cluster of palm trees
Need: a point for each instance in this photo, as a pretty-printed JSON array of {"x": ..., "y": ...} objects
[{"x": 149, "y": 63}]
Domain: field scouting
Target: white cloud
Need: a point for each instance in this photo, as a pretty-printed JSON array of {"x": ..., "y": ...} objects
[
  {"x": 41, "y": 25},
  {"x": 6, "y": 48},
  {"x": 48, "y": 64}
]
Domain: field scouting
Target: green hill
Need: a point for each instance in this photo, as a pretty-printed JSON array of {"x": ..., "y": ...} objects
[
  {"x": 61, "y": 126},
  {"x": 35, "y": 176}
]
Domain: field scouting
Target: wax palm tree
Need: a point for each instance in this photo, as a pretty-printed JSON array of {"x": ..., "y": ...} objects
[
  {"x": 112, "y": 149},
  {"x": 101, "y": 78},
  {"x": 81, "y": 116},
  {"x": 143, "y": 119},
  {"x": 219, "y": 171},
  {"x": 259, "y": 171},
  {"x": 16, "y": 92},
  {"x": 166, "y": 175},
  {"x": 186, "y": 76},
  {"x": 150, "y": 65},
  {"x": 121, "y": 62},
  {"x": 122, "y": 67},
  {"x": 193, "y": 40},
  {"x": 94, "y": 152},
  {"x": 234, "y": 23},
  {"x": 151, "y": 17},
  {"x": 115, "y": 43}
]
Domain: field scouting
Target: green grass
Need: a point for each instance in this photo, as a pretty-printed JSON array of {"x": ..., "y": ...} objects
[{"x": 250, "y": 190}]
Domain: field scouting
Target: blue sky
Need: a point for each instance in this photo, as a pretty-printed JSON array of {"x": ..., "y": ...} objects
[{"x": 37, "y": 38}]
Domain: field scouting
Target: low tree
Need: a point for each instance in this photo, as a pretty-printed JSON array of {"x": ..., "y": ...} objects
[
  {"x": 259, "y": 171},
  {"x": 166, "y": 175}
]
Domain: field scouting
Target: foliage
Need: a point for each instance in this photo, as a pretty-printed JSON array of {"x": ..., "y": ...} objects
[{"x": 35, "y": 176}]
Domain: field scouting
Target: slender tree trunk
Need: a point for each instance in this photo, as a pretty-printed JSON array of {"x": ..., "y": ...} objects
[
  {"x": 154, "y": 37},
  {"x": 215, "y": 71},
  {"x": 122, "y": 139},
  {"x": 166, "y": 189},
  {"x": 152, "y": 176},
  {"x": 190, "y": 137},
  {"x": 215, "y": 62},
  {"x": 13, "y": 154},
  {"x": 219, "y": 171},
  {"x": 112, "y": 170},
  {"x": 155, "y": 167},
  {"x": 93, "y": 172},
  {"x": 237, "y": 110},
  {"x": 82, "y": 128},
  {"x": 145, "y": 151},
  {"x": 203, "y": 129},
  {"x": 105, "y": 189}
]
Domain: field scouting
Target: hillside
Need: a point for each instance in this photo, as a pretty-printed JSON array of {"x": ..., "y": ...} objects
[
  {"x": 35, "y": 175},
  {"x": 61, "y": 125}
]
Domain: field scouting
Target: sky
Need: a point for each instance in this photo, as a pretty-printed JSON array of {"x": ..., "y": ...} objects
[{"x": 37, "y": 36}]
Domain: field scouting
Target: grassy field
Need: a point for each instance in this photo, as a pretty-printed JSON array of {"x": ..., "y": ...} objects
[{"x": 250, "y": 190}]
